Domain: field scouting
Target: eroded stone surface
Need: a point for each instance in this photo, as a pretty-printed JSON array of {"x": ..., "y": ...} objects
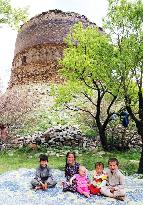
[{"x": 39, "y": 45}]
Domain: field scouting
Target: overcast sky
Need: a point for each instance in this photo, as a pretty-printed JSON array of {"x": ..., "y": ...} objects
[{"x": 94, "y": 10}]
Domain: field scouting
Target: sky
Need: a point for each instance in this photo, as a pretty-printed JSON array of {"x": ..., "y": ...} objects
[{"x": 94, "y": 10}]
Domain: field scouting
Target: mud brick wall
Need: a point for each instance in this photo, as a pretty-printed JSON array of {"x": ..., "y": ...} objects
[{"x": 39, "y": 45}]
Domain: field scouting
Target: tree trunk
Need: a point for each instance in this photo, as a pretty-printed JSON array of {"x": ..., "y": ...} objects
[
  {"x": 103, "y": 139},
  {"x": 140, "y": 132},
  {"x": 139, "y": 125},
  {"x": 140, "y": 169}
]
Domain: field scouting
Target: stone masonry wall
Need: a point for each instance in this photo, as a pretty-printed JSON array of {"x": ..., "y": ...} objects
[
  {"x": 58, "y": 136},
  {"x": 40, "y": 44},
  {"x": 37, "y": 64}
]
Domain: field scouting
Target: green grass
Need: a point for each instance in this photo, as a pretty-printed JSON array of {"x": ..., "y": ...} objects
[{"x": 26, "y": 158}]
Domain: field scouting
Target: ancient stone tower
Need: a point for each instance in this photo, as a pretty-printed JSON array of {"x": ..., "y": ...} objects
[{"x": 40, "y": 44}]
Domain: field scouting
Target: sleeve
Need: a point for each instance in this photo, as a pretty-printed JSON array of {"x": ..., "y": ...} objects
[
  {"x": 67, "y": 173},
  {"x": 65, "y": 170},
  {"x": 50, "y": 174},
  {"x": 93, "y": 179},
  {"x": 121, "y": 182},
  {"x": 77, "y": 167},
  {"x": 72, "y": 178},
  {"x": 92, "y": 175},
  {"x": 38, "y": 175},
  {"x": 103, "y": 183}
]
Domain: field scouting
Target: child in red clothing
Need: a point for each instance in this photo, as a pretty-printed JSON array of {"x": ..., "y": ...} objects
[{"x": 99, "y": 179}]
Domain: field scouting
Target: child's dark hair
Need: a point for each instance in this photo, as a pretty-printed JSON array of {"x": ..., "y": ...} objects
[
  {"x": 43, "y": 157},
  {"x": 113, "y": 160},
  {"x": 73, "y": 153},
  {"x": 99, "y": 164}
]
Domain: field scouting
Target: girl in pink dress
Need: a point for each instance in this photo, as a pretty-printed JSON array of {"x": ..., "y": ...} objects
[{"x": 81, "y": 181}]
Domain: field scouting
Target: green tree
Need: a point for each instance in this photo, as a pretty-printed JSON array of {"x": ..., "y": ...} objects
[
  {"x": 12, "y": 16},
  {"x": 115, "y": 64},
  {"x": 124, "y": 21},
  {"x": 85, "y": 65}
]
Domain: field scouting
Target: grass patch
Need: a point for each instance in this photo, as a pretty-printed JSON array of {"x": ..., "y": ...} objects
[{"x": 26, "y": 158}]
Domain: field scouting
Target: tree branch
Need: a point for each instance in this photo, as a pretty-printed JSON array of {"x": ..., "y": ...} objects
[
  {"x": 110, "y": 105},
  {"x": 80, "y": 109},
  {"x": 82, "y": 79},
  {"x": 89, "y": 98}
]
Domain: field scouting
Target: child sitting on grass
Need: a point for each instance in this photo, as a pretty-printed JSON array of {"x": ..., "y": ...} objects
[
  {"x": 99, "y": 179},
  {"x": 115, "y": 181},
  {"x": 81, "y": 181},
  {"x": 43, "y": 178}
]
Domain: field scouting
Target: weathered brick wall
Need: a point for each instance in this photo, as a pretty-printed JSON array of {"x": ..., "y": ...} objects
[
  {"x": 37, "y": 64},
  {"x": 40, "y": 44}
]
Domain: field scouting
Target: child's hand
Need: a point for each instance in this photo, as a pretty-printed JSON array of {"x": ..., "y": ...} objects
[
  {"x": 62, "y": 183},
  {"x": 88, "y": 182},
  {"x": 112, "y": 190},
  {"x": 94, "y": 184},
  {"x": 70, "y": 182},
  {"x": 45, "y": 186}
]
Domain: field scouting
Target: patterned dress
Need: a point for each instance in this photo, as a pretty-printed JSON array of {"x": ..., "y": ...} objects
[{"x": 69, "y": 172}]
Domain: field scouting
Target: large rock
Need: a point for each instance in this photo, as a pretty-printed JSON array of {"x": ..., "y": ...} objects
[
  {"x": 64, "y": 136},
  {"x": 58, "y": 136}
]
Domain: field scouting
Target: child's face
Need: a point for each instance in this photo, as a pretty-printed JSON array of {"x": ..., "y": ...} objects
[
  {"x": 113, "y": 166},
  {"x": 82, "y": 172},
  {"x": 43, "y": 163},
  {"x": 99, "y": 169},
  {"x": 70, "y": 159}
]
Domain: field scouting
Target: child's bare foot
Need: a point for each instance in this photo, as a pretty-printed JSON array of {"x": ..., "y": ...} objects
[
  {"x": 38, "y": 187},
  {"x": 46, "y": 187},
  {"x": 121, "y": 198},
  {"x": 86, "y": 194}
]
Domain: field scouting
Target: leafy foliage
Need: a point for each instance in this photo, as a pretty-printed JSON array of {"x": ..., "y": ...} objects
[
  {"x": 87, "y": 67},
  {"x": 125, "y": 26},
  {"x": 111, "y": 63},
  {"x": 124, "y": 23},
  {"x": 12, "y": 16},
  {"x": 88, "y": 55}
]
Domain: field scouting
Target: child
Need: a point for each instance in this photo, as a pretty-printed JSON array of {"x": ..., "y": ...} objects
[
  {"x": 81, "y": 181},
  {"x": 115, "y": 181},
  {"x": 99, "y": 179},
  {"x": 43, "y": 179},
  {"x": 71, "y": 168}
]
